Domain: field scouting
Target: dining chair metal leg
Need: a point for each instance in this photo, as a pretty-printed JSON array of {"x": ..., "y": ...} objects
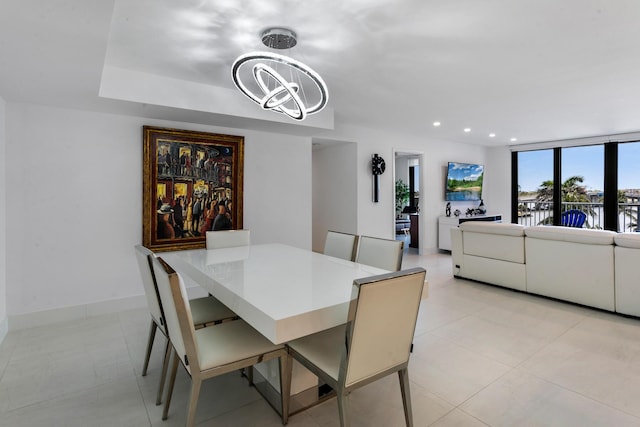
[
  {"x": 285, "y": 385},
  {"x": 152, "y": 335},
  {"x": 403, "y": 374},
  {"x": 193, "y": 401},
  {"x": 341, "y": 395},
  {"x": 163, "y": 375},
  {"x": 172, "y": 382},
  {"x": 249, "y": 372}
]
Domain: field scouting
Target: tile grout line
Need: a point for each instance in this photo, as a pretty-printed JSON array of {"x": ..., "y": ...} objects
[
  {"x": 11, "y": 352},
  {"x": 138, "y": 385}
]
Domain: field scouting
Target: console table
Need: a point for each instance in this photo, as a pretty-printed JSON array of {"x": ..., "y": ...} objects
[{"x": 446, "y": 223}]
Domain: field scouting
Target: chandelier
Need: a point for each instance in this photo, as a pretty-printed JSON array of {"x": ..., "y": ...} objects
[{"x": 277, "y": 82}]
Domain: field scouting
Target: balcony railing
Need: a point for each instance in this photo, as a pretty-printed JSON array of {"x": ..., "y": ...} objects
[{"x": 537, "y": 213}]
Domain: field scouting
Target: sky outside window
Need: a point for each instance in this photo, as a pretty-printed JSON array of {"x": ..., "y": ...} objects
[
  {"x": 587, "y": 162},
  {"x": 534, "y": 167},
  {"x": 628, "y": 164}
]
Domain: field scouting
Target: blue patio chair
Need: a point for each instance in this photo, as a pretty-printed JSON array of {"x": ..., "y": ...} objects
[{"x": 573, "y": 218}]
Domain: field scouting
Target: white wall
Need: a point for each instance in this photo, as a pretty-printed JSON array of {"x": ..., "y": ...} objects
[
  {"x": 378, "y": 219},
  {"x": 402, "y": 169},
  {"x": 4, "y": 324},
  {"x": 334, "y": 191},
  {"x": 277, "y": 179},
  {"x": 74, "y": 192},
  {"x": 497, "y": 182},
  {"x": 73, "y": 184}
]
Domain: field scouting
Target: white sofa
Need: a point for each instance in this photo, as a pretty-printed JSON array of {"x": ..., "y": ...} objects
[
  {"x": 571, "y": 264},
  {"x": 596, "y": 268},
  {"x": 490, "y": 252}
]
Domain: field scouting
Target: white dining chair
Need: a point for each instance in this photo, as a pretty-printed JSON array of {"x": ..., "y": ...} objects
[
  {"x": 381, "y": 253},
  {"x": 341, "y": 245},
  {"x": 205, "y": 311},
  {"x": 227, "y": 238},
  {"x": 370, "y": 346},
  {"x": 209, "y": 352}
]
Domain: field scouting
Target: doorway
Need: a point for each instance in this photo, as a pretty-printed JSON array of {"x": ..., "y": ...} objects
[{"x": 409, "y": 199}]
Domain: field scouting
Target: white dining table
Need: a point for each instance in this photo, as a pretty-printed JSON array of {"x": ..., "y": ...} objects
[{"x": 282, "y": 291}]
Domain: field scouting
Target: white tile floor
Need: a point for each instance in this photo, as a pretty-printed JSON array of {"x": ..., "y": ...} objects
[{"x": 483, "y": 356}]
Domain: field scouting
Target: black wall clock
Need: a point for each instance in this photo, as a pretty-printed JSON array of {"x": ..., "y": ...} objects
[{"x": 377, "y": 168}]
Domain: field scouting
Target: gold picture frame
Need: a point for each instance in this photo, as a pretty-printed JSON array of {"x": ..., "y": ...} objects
[{"x": 191, "y": 181}]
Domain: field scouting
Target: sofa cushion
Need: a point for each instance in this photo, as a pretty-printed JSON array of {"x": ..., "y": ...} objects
[
  {"x": 505, "y": 246},
  {"x": 571, "y": 271},
  {"x": 498, "y": 272},
  {"x": 628, "y": 240},
  {"x": 493, "y": 228},
  {"x": 567, "y": 234}
]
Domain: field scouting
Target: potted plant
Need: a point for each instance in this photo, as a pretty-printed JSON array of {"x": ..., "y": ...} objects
[{"x": 402, "y": 196}]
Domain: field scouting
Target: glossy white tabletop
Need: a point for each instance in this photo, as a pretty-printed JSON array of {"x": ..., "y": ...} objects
[{"x": 282, "y": 291}]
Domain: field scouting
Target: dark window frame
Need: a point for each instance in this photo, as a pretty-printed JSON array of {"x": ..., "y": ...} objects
[{"x": 610, "y": 210}]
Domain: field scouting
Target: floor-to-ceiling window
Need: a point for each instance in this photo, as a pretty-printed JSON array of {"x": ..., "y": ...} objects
[
  {"x": 535, "y": 182},
  {"x": 582, "y": 181},
  {"x": 599, "y": 180},
  {"x": 628, "y": 196}
]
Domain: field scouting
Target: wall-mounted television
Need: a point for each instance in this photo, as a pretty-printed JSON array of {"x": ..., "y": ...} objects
[{"x": 464, "y": 182}]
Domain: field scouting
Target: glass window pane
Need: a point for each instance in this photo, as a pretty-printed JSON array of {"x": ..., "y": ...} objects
[
  {"x": 628, "y": 186},
  {"x": 535, "y": 186},
  {"x": 583, "y": 182}
]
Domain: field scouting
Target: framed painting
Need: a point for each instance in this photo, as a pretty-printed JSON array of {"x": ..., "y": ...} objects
[{"x": 192, "y": 183}]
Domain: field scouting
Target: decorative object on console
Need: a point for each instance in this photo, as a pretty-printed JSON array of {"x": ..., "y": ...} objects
[
  {"x": 448, "y": 209},
  {"x": 377, "y": 168},
  {"x": 457, "y": 212},
  {"x": 482, "y": 210},
  {"x": 260, "y": 76}
]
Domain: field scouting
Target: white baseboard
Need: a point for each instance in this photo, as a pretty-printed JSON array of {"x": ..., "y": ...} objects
[
  {"x": 77, "y": 312},
  {"x": 83, "y": 311}
]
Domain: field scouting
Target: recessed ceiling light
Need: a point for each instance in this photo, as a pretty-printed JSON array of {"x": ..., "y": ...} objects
[
  {"x": 436, "y": 124},
  {"x": 514, "y": 139},
  {"x": 467, "y": 129},
  {"x": 492, "y": 135}
]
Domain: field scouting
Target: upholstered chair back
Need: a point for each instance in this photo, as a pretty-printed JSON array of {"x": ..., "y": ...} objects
[
  {"x": 227, "y": 239},
  {"x": 144, "y": 257},
  {"x": 177, "y": 312},
  {"x": 382, "y": 322},
  {"x": 381, "y": 253},
  {"x": 341, "y": 245}
]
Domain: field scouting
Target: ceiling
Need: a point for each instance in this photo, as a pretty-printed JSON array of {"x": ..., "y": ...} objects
[{"x": 535, "y": 70}]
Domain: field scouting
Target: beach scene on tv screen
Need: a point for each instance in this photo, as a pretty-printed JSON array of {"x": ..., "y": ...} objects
[{"x": 464, "y": 182}]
